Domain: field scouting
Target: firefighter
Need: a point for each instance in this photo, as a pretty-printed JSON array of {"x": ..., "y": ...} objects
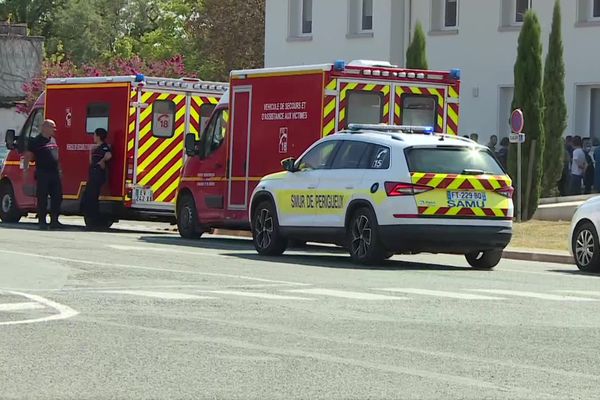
[
  {"x": 100, "y": 154},
  {"x": 44, "y": 150}
]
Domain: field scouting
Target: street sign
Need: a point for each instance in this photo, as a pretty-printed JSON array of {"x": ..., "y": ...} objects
[
  {"x": 517, "y": 121},
  {"x": 516, "y": 137}
]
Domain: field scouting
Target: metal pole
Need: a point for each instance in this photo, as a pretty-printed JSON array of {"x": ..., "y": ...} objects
[{"x": 519, "y": 199}]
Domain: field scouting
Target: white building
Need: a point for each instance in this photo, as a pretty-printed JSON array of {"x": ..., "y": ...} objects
[{"x": 477, "y": 36}]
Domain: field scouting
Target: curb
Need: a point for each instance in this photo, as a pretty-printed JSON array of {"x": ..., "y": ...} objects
[{"x": 539, "y": 256}]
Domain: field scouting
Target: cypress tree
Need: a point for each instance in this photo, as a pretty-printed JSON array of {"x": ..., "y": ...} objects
[
  {"x": 416, "y": 53},
  {"x": 555, "y": 115},
  {"x": 529, "y": 98}
]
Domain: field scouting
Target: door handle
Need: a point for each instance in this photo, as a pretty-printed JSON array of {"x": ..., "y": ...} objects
[{"x": 312, "y": 187}]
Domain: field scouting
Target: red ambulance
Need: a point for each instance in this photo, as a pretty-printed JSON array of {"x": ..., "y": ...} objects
[
  {"x": 274, "y": 113},
  {"x": 147, "y": 119}
]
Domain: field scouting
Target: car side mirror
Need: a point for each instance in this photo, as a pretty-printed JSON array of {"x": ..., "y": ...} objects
[
  {"x": 10, "y": 139},
  {"x": 289, "y": 164},
  {"x": 192, "y": 146}
]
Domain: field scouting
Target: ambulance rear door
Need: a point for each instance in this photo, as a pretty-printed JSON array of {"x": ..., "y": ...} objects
[
  {"x": 160, "y": 120},
  {"x": 363, "y": 101},
  {"x": 421, "y": 104}
]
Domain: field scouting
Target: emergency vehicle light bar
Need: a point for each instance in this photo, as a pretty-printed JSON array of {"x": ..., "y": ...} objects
[{"x": 426, "y": 130}]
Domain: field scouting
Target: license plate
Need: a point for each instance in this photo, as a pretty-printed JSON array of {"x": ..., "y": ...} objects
[
  {"x": 142, "y": 195},
  {"x": 466, "y": 196}
]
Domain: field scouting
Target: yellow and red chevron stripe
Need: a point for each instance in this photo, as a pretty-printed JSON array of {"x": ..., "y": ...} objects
[
  {"x": 329, "y": 108},
  {"x": 439, "y": 94},
  {"x": 366, "y": 87},
  {"x": 453, "y": 110},
  {"x": 461, "y": 182},
  {"x": 463, "y": 212}
]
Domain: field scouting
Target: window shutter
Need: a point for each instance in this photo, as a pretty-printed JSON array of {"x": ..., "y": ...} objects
[
  {"x": 437, "y": 15},
  {"x": 353, "y": 16},
  {"x": 583, "y": 10},
  {"x": 506, "y": 13}
]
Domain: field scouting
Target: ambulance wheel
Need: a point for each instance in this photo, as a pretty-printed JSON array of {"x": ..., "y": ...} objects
[
  {"x": 363, "y": 238},
  {"x": 187, "y": 219},
  {"x": 484, "y": 259},
  {"x": 8, "y": 204},
  {"x": 266, "y": 235}
]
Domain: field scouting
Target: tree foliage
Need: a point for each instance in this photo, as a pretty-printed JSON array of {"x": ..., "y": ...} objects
[
  {"x": 416, "y": 53},
  {"x": 555, "y": 116},
  {"x": 528, "y": 96}
]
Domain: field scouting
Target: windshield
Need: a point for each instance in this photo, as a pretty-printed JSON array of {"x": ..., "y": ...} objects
[{"x": 452, "y": 160}]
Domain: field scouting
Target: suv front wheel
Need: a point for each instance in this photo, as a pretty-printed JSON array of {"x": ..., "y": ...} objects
[
  {"x": 266, "y": 235},
  {"x": 363, "y": 238}
]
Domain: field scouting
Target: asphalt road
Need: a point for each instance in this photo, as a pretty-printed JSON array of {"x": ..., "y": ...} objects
[{"x": 144, "y": 314}]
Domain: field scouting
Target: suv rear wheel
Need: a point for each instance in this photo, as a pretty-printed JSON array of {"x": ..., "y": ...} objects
[
  {"x": 363, "y": 238},
  {"x": 586, "y": 248},
  {"x": 187, "y": 218},
  {"x": 8, "y": 204},
  {"x": 266, "y": 234},
  {"x": 487, "y": 259}
]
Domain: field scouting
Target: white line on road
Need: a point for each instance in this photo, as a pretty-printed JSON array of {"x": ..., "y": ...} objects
[
  {"x": 346, "y": 294},
  {"x": 139, "y": 267},
  {"x": 64, "y": 312},
  {"x": 257, "y": 295},
  {"x": 440, "y": 293},
  {"x": 159, "y": 295},
  {"x": 32, "y": 305},
  {"x": 535, "y": 295},
  {"x": 581, "y": 292}
]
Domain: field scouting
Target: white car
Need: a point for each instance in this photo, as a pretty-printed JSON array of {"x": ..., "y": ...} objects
[
  {"x": 378, "y": 190},
  {"x": 583, "y": 244}
]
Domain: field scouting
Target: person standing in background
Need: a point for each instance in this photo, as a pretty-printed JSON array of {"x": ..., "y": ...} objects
[
  {"x": 578, "y": 166},
  {"x": 596, "y": 153},
  {"x": 100, "y": 155},
  {"x": 588, "y": 175},
  {"x": 502, "y": 153},
  {"x": 492, "y": 143},
  {"x": 563, "y": 183},
  {"x": 474, "y": 137}
]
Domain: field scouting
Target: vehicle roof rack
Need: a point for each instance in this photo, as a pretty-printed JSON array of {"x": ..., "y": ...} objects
[{"x": 426, "y": 130}]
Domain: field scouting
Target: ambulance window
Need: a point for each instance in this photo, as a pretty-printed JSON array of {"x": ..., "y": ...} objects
[
  {"x": 351, "y": 155},
  {"x": 319, "y": 157},
  {"x": 97, "y": 117},
  {"x": 379, "y": 157},
  {"x": 419, "y": 110},
  {"x": 33, "y": 127},
  {"x": 214, "y": 134},
  {"x": 163, "y": 119},
  {"x": 205, "y": 112},
  {"x": 364, "y": 107}
]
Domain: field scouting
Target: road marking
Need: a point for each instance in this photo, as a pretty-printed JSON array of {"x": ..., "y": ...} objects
[
  {"x": 257, "y": 295},
  {"x": 64, "y": 312},
  {"x": 20, "y": 306},
  {"x": 440, "y": 293},
  {"x": 581, "y": 292},
  {"x": 535, "y": 295},
  {"x": 346, "y": 295},
  {"x": 159, "y": 295},
  {"x": 139, "y": 267}
]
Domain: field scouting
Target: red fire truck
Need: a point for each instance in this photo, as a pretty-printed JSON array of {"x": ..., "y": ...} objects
[
  {"x": 275, "y": 113},
  {"x": 147, "y": 119}
]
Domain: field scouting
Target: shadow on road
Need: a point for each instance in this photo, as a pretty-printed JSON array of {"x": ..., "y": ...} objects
[
  {"x": 575, "y": 272},
  {"x": 33, "y": 226},
  {"x": 327, "y": 257}
]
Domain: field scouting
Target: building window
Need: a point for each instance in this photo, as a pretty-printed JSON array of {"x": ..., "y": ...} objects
[
  {"x": 450, "y": 13},
  {"x": 306, "y": 16},
  {"x": 521, "y": 8},
  {"x": 596, "y": 9},
  {"x": 367, "y": 15},
  {"x": 300, "y": 19}
]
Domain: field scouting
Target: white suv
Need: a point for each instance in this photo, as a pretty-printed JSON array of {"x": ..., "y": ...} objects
[{"x": 378, "y": 190}]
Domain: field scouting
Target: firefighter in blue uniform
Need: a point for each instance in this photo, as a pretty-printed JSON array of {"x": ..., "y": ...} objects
[{"x": 100, "y": 154}]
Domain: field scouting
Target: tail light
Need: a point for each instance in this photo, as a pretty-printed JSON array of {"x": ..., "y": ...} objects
[
  {"x": 506, "y": 191},
  {"x": 394, "y": 189}
]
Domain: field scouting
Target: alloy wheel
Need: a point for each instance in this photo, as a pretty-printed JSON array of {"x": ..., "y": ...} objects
[
  {"x": 6, "y": 203},
  {"x": 264, "y": 229},
  {"x": 584, "y": 247},
  {"x": 361, "y": 236}
]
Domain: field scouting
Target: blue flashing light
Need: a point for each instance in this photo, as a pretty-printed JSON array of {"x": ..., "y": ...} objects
[
  {"x": 428, "y": 130},
  {"x": 339, "y": 65},
  {"x": 455, "y": 73},
  {"x": 140, "y": 78}
]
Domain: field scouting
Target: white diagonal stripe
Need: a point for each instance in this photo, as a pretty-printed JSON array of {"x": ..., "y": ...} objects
[
  {"x": 257, "y": 295},
  {"x": 440, "y": 293},
  {"x": 535, "y": 295},
  {"x": 158, "y": 295},
  {"x": 346, "y": 295},
  {"x": 32, "y": 305}
]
